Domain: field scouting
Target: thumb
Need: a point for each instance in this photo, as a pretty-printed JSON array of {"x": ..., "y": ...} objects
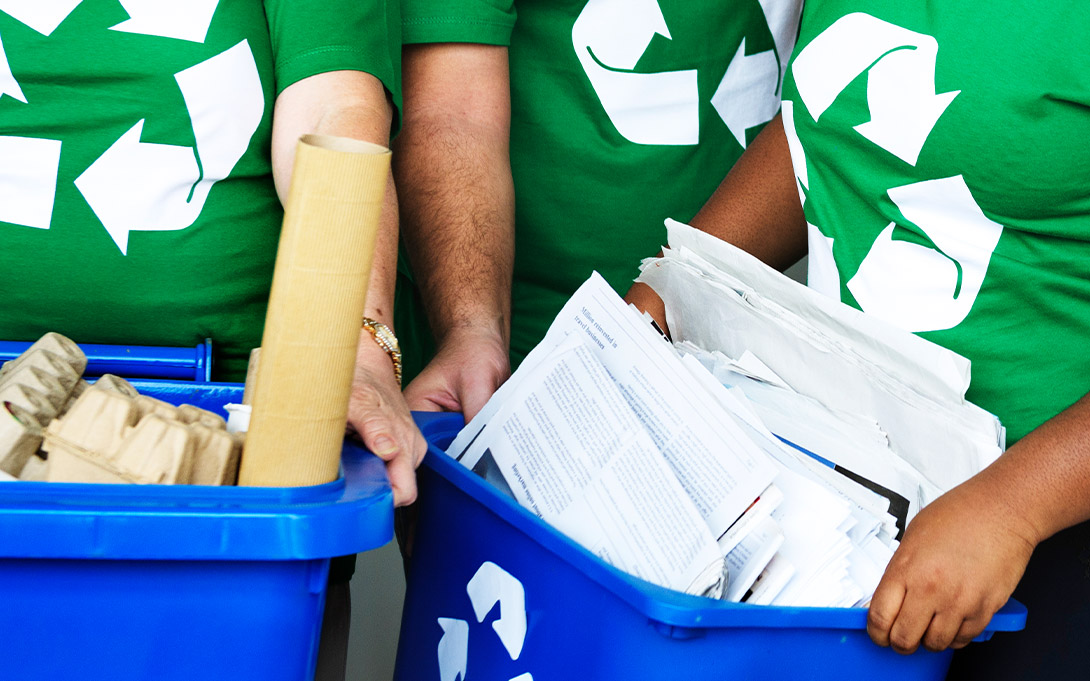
[{"x": 377, "y": 435}]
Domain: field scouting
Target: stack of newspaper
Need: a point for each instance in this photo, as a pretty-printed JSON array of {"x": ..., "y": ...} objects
[{"x": 773, "y": 454}]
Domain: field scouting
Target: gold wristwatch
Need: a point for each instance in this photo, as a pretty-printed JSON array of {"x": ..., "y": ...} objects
[{"x": 386, "y": 340}]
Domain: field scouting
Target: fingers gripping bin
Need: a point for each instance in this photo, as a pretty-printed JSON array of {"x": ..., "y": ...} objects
[
  {"x": 182, "y": 582},
  {"x": 494, "y": 593}
]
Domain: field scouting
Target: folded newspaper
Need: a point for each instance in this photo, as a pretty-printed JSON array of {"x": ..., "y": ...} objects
[{"x": 772, "y": 454}]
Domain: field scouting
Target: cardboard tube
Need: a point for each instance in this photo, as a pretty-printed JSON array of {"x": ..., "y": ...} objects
[
  {"x": 308, "y": 350},
  {"x": 251, "y": 377}
]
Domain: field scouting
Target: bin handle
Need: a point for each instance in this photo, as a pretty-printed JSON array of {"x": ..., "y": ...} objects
[{"x": 136, "y": 361}]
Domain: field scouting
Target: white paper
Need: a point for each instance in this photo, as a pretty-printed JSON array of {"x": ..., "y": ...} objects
[
  {"x": 720, "y": 298},
  {"x": 717, "y": 464},
  {"x": 771, "y": 581},
  {"x": 676, "y": 462},
  {"x": 751, "y": 556},
  {"x": 573, "y": 453},
  {"x": 754, "y": 516}
]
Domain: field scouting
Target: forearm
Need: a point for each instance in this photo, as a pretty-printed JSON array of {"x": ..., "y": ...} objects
[
  {"x": 380, "y": 292},
  {"x": 349, "y": 104},
  {"x": 963, "y": 555},
  {"x": 453, "y": 171},
  {"x": 757, "y": 206},
  {"x": 1043, "y": 481}
]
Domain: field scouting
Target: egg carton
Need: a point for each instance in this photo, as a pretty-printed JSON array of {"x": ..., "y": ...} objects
[
  {"x": 114, "y": 436},
  {"x": 34, "y": 388}
]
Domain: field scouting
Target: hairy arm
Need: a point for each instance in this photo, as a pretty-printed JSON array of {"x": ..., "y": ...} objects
[
  {"x": 354, "y": 104},
  {"x": 756, "y": 208},
  {"x": 453, "y": 171}
]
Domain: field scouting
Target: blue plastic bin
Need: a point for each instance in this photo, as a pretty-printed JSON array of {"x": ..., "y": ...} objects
[
  {"x": 185, "y": 583},
  {"x": 136, "y": 361},
  {"x": 586, "y": 620}
]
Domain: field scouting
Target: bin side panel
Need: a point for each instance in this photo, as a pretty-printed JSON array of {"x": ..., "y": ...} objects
[
  {"x": 578, "y": 629},
  {"x": 163, "y": 620}
]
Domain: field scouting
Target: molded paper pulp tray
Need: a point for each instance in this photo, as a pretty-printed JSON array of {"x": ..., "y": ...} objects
[
  {"x": 134, "y": 582},
  {"x": 582, "y": 619}
]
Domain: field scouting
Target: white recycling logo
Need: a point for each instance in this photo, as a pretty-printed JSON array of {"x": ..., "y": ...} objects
[
  {"x": 610, "y": 37},
  {"x": 916, "y": 287},
  {"x": 44, "y": 16},
  {"x": 490, "y": 585},
  {"x": 179, "y": 19},
  {"x": 135, "y": 185}
]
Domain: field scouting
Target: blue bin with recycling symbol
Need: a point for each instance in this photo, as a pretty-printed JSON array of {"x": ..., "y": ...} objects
[
  {"x": 494, "y": 593},
  {"x": 176, "y": 582}
]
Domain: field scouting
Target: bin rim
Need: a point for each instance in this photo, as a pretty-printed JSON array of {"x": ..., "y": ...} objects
[
  {"x": 189, "y": 522},
  {"x": 657, "y": 603}
]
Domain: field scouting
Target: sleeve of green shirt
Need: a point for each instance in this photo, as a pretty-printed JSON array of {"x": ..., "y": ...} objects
[
  {"x": 317, "y": 36},
  {"x": 489, "y": 22}
]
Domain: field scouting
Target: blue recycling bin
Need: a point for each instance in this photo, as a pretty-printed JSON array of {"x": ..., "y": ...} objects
[
  {"x": 178, "y": 583},
  {"x": 495, "y": 593}
]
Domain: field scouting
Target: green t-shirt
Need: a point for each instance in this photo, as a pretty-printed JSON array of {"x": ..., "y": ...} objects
[
  {"x": 137, "y": 203},
  {"x": 941, "y": 148},
  {"x": 624, "y": 112}
]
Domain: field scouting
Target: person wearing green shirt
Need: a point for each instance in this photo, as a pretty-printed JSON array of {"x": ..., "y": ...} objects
[
  {"x": 545, "y": 140},
  {"x": 931, "y": 158},
  {"x": 144, "y": 148},
  {"x": 143, "y": 154}
]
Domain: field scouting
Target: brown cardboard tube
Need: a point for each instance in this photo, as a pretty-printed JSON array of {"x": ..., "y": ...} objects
[
  {"x": 308, "y": 350},
  {"x": 251, "y": 377}
]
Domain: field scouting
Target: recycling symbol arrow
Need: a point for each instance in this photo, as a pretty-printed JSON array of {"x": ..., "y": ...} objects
[
  {"x": 901, "y": 80},
  {"x": 8, "y": 85},
  {"x": 139, "y": 186},
  {"x": 610, "y": 37},
  {"x": 916, "y": 287},
  {"x": 749, "y": 93},
  {"x": 136, "y": 185},
  {"x": 180, "y": 19},
  {"x": 490, "y": 585},
  {"x": 44, "y": 16},
  {"x": 921, "y": 288},
  {"x": 28, "y": 165},
  {"x": 453, "y": 649}
]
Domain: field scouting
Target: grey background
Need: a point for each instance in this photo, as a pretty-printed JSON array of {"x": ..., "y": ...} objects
[{"x": 378, "y": 589}]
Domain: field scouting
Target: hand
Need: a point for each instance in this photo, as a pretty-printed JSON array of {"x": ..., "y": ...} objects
[
  {"x": 468, "y": 368},
  {"x": 377, "y": 412},
  {"x": 960, "y": 559},
  {"x": 646, "y": 300}
]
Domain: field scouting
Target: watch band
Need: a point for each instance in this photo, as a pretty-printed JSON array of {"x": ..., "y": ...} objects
[{"x": 386, "y": 340}]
